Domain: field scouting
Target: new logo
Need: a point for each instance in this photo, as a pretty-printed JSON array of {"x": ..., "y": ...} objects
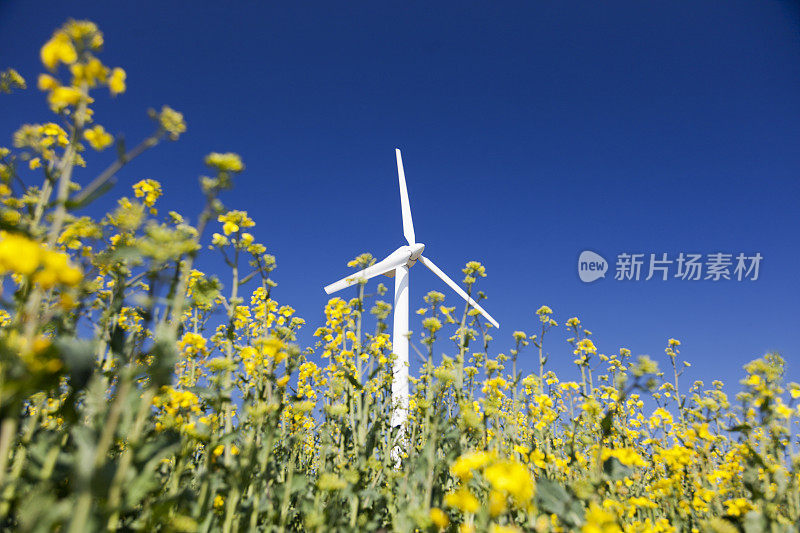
[{"x": 591, "y": 266}]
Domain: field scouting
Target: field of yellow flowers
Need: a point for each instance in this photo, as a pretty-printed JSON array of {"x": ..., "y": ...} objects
[{"x": 140, "y": 394}]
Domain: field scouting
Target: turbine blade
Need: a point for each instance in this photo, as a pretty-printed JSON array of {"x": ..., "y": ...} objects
[
  {"x": 453, "y": 285},
  {"x": 386, "y": 265},
  {"x": 408, "y": 224}
]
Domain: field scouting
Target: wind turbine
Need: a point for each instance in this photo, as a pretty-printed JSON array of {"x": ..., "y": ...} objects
[{"x": 397, "y": 264}]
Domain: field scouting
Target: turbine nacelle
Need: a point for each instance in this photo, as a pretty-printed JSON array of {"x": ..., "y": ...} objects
[
  {"x": 415, "y": 250},
  {"x": 411, "y": 252}
]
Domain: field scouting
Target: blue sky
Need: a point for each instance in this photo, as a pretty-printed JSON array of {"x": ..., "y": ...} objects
[{"x": 531, "y": 131}]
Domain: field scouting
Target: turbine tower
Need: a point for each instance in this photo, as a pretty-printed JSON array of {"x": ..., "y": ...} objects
[{"x": 397, "y": 264}]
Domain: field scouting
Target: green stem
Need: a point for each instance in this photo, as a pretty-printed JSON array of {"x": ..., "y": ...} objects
[{"x": 8, "y": 430}]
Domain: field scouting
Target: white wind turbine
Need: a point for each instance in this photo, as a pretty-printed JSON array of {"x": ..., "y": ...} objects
[{"x": 397, "y": 264}]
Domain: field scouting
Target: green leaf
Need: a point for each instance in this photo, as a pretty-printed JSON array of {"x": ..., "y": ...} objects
[
  {"x": 353, "y": 381},
  {"x": 606, "y": 423},
  {"x": 615, "y": 470},
  {"x": 80, "y": 201},
  {"x": 78, "y": 356},
  {"x": 553, "y": 498},
  {"x": 754, "y": 522}
]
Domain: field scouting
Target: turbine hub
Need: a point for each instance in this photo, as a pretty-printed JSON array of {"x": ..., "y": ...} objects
[{"x": 415, "y": 250}]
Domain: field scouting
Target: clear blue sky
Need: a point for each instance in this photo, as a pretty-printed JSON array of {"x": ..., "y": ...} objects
[{"x": 530, "y": 132}]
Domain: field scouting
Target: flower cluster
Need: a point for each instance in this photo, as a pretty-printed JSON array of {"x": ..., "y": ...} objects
[{"x": 29, "y": 259}]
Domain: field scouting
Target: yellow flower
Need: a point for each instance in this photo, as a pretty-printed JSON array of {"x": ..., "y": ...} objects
[
  {"x": 463, "y": 500},
  {"x": 753, "y": 380},
  {"x": 738, "y": 506},
  {"x": 544, "y": 313},
  {"x": 228, "y": 162},
  {"x": 361, "y": 261},
  {"x": 19, "y": 254},
  {"x": 116, "y": 82},
  {"x": 56, "y": 269},
  {"x": 56, "y": 132},
  {"x": 148, "y": 189},
  {"x": 61, "y": 97},
  {"x": 90, "y": 73},
  {"x": 497, "y": 503},
  {"x": 171, "y": 122},
  {"x": 439, "y": 518},
  {"x": 599, "y": 520},
  {"x": 538, "y": 458},
  {"x": 464, "y": 465},
  {"x": 47, "y": 82},
  {"x": 192, "y": 345},
  {"x": 783, "y": 410},
  {"x": 10, "y": 79},
  {"x": 219, "y": 502},
  {"x": 511, "y": 477},
  {"x": 220, "y": 449},
  {"x": 660, "y": 416},
  {"x": 98, "y": 137},
  {"x": 229, "y": 227},
  {"x": 585, "y": 346},
  {"x": 235, "y": 220},
  {"x": 247, "y": 239},
  {"x": 84, "y": 30},
  {"x": 219, "y": 240},
  {"x": 23, "y": 256},
  {"x": 58, "y": 49},
  {"x": 591, "y": 407},
  {"x": 495, "y": 528},
  {"x": 626, "y": 456}
]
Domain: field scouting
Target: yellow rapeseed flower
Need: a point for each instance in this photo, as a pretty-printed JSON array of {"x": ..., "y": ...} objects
[
  {"x": 90, "y": 73},
  {"x": 148, "y": 189},
  {"x": 511, "y": 477},
  {"x": 61, "y": 97},
  {"x": 626, "y": 456},
  {"x": 219, "y": 502},
  {"x": 233, "y": 221},
  {"x": 98, "y": 137},
  {"x": 23, "y": 256},
  {"x": 439, "y": 518},
  {"x": 598, "y": 520},
  {"x": 464, "y": 465},
  {"x": 497, "y": 528},
  {"x": 59, "y": 49},
  {"x": 227, "y": 162},
  {"x": 463, "y": 500},
  {"x": 10, "y": 79},
  {"x": 171, "y": 122},
  {"x": 47, "y": 82},
  {"x": 116, "y": 81}
]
